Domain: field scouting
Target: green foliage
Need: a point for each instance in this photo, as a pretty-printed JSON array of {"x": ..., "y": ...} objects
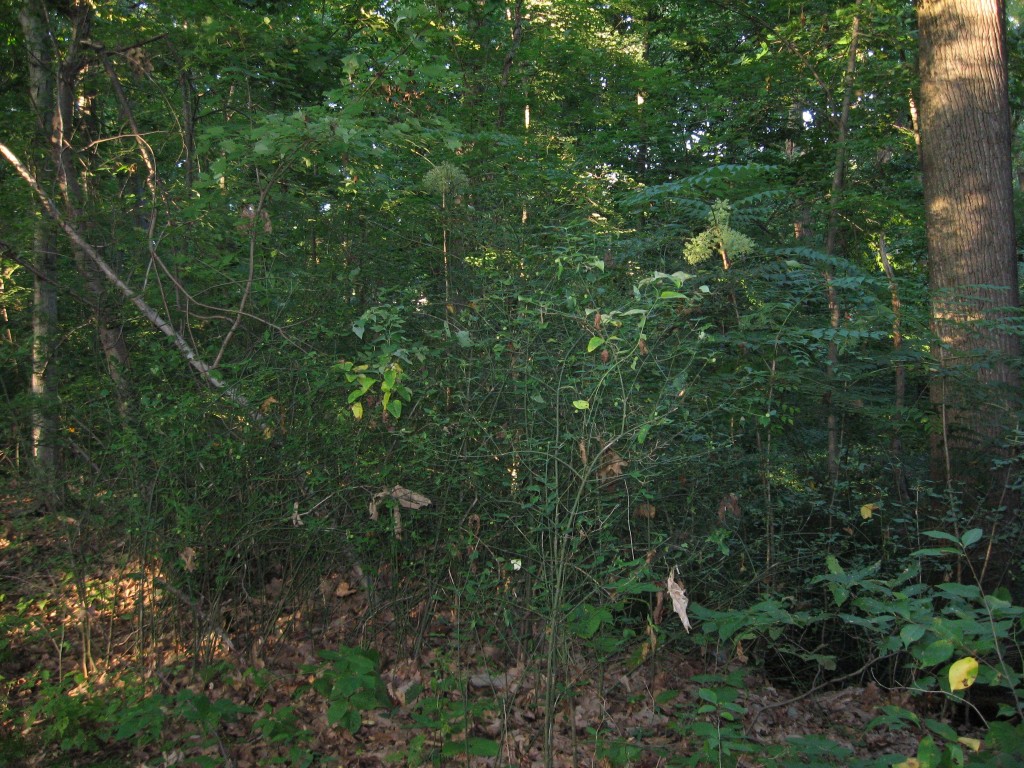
[
  {"x": 445, "y": 724},
  {"x": 351, "y": 684},
  {"x": 445, "y": 179},
  {"x": 719, "y": 239},
  {"x": 578, "y": 389}
]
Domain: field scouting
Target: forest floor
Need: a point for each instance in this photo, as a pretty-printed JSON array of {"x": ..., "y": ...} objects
[{"x": 94, "y": 672}]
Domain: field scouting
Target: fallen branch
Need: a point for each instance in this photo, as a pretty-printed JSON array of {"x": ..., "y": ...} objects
[{"x": 205, "y": 371}]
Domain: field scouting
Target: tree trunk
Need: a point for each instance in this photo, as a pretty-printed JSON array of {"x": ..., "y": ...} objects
[
  {"x": 54, "y": 91},
  {"x": 65, "y": 158},
  {"x": 965, "y": 156},
  {"x": 32, "y": 18},
  {"x": 831, "y": 238}
]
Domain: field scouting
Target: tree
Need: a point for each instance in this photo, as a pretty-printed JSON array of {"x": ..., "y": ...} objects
[
  {"x": 44, "y": 315},
  {"x": 966, "y": 162}
]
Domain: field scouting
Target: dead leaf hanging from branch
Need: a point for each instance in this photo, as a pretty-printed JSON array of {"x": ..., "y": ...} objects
[
  {"x": 402, "y": 497},
  {"x": 611, "y": 469},
  {"x": 680, "y": 601},
  {"x": 729, "y": 505}
]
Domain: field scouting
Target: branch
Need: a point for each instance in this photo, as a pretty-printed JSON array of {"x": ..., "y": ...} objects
[
  {"x": 153, "y": 183},
  {"x": 7, "y": 252},
  {"x": 201, "y": 367}
]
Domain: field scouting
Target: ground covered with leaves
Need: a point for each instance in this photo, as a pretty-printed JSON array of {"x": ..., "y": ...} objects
[{"x": 117, "y": 666}]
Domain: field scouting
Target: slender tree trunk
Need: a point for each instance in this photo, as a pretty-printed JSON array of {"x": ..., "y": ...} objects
[
  {"x": 188, "y": 128},
  {"x": 32, "y": 18},
  {"x": 184, "y": 347},
  {"x": 965, "y": 155},
  {"x": 900, "y": 373},
  {"x": 831, "y": 237},
  {"x": 109, "y": 331},
  {"x": 516, "y": 15}
]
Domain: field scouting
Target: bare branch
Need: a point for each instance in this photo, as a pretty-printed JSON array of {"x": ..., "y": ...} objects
[{"x": 205, "y": 370}]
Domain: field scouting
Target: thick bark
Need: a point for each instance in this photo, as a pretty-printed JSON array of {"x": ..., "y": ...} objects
[
  {"x": 965, "y": 155},
  {"x": 965, "y": 152}
]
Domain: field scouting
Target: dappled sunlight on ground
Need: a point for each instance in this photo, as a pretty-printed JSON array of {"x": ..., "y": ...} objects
[{"x": 145, "y": 676}]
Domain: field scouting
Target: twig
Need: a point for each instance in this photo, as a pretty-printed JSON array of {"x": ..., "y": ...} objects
[{"x": 813, "y": 690}]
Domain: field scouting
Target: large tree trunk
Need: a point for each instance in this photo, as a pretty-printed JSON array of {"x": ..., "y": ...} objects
[{"x": 965, "y": 155}]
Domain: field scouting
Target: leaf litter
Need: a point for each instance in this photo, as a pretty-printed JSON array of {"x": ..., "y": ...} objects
[{"x": 448, "y": 701}]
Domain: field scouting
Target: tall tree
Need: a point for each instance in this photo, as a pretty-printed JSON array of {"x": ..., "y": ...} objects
[
  {"x": 44, "y": 314},
  {"x": 965, "y": 154}
]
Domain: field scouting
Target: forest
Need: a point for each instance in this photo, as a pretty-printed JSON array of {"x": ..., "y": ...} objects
[{"x": 511, "y": 383}]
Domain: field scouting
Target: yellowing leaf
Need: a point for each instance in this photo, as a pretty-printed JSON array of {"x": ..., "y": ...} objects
[
  {"x": 868, "y": 510},
  {"x": 910, "y": 762},
  {"x": 580, "y": 405},
  {"x": 357, "y": 410},
  {"x": 963, "y": 673},
  {"x": 972, "y": 744}
]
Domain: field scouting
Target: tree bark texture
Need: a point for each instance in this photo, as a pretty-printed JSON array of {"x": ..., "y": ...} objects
[
  {"x": 965, "y": 152},
  {"x": 966, "y": 163}
]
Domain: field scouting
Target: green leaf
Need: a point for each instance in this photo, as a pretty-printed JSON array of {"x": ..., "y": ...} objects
[
  {"x": 594, "y": 343},
  {"x": 965, "y": 591},
  {"x": 708, "y": 695},
  {"x": 585, "y": 620},
  {"x": 933, "y": 552},
  {"x": 928, "y": 753},
  {"x": 350, "y": 64},
  {"x": 970, "y": 537},
  {"x": 394, "y": 407},
  {"x": 340, "y": 713},
  {"x": 942, "y": 535},
  {"x": 580, "y": 405},
  {"x": 934, "y": 653},
  {"x": 940, "y": 729},
  {"x": 911, "y": 633}
]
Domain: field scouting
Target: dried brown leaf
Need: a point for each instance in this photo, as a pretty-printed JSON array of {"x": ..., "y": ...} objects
[
  {"x": 680, "y": 602},
  {"x": 645, "y": 511},
  {"x": 730, "y": 504}
]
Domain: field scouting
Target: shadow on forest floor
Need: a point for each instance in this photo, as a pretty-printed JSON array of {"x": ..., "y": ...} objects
[{"x": 94, "y": 671}]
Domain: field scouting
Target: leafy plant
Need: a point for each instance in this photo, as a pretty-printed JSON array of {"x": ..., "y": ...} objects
[
  {"x": 447, "y": 724},
  {"x": 351, "y": 684},
  {"x": 716, "y": 725}
]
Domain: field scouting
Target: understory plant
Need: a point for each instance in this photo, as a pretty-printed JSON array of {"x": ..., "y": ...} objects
[{"x": 949, "y": 642}]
